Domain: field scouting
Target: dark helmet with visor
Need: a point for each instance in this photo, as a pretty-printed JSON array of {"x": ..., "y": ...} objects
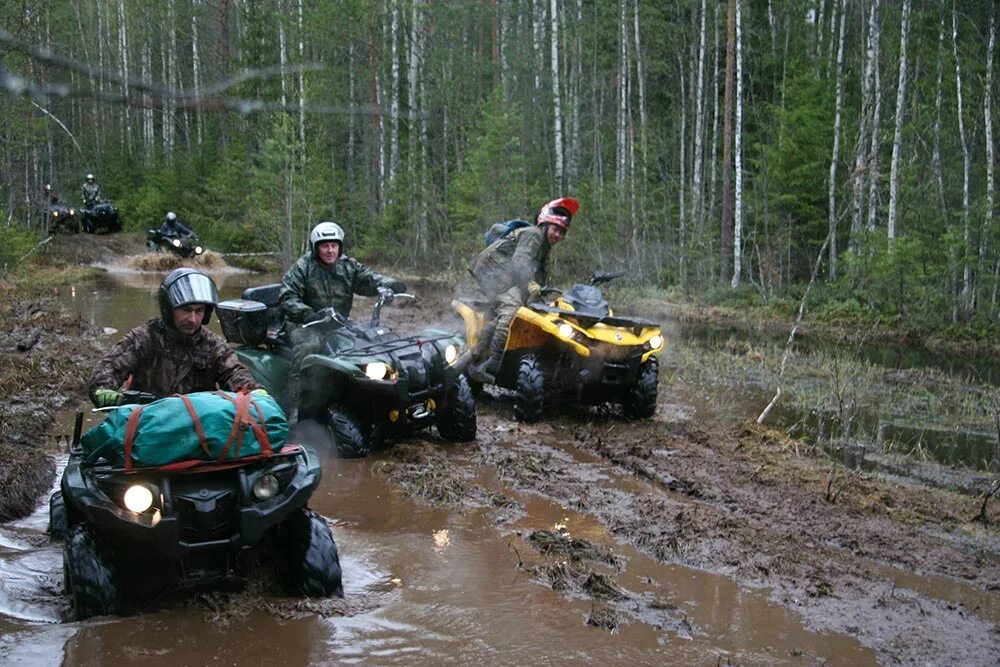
[{"x": 182, "y": 287}]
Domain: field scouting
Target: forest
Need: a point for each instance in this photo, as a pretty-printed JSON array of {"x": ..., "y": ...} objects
[{"x": 728, "y": 149}]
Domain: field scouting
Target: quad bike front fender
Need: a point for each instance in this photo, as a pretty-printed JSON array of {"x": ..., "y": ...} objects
[
  {"x": 269, "y": 369},
  {"x": 474, "y": 322},
  {"x": 531, "y": 330}
]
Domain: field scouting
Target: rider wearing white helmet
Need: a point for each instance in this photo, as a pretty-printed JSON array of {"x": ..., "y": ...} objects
[{"x": 324, "y": 277}]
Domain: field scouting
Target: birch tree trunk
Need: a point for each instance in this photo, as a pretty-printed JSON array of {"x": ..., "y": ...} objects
[
  {"x": 302, "y": 87},
  {"x": 858, "y": 179},
  {"x": 987, "y": 226},
  {"x": 727, "y": 139},
  {"x": 738, "y": 150},
  {"x": 126, "y": 135},
  {"x": 640, "y": 76},
  {"x": 936, "y": 154},
  {"x": 873, "y": 175},
  {"x": 394, "y": 97},
  {"x": 557, "y": 132},
  {"x": 682, "y": 181},
  {"x": 283, "y": 62},
  {"x": 714, "y": 143},
  {"x": 838, "y": 102},
  {"x": 196, "y": 69},
  {"x": 966, "y": 171},
  {"x": 699, "y": 124},
  {"x": 897, "y": 140}
]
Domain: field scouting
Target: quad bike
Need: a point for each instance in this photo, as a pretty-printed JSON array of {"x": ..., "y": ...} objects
[
  {"x": 370, "y": 385},
  {"x": 101, "y": 217},
  {"x": 573, "y": 347},
  {"x": 133, "y": 536},
  {"x": 62, "y": 219},
  {"x": 186, "y": 246}
]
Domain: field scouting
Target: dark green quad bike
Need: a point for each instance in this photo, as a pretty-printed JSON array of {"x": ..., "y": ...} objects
[
  {"x": 101, "y": 217},
  {"x": 371, "y": 385},
  {"x": 132, "y": 538}
]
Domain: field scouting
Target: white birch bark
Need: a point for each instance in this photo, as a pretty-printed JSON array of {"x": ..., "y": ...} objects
[
  {"x": 640, "y": 76},
  {"x": 622, "y": 115},
  {"x": 858, "y": 180},
  {"x": 302, "y": 86},
  {"x": 126, "y": 134},
  {"x": 283, "y": 63},
  {"x": 576, "y": 101},
  {"x": 699, "y": 123},
  {"x": 682, "y": 181},
  {"x": 838, "y": 103},
  {"x": 394, "y": 97},
  {"x": 897, "y": 139},
  {"x": 557, "y": 131},
  {"x": 712, "y": 169},
  {"x": 987, "y": 227},
  {"x": 537, "y": 35},
  {"x": 936, "y": 153},
  {"x": 966, "y": 168},
  {"x": 738, "y": 154},
  {"x": 196, "y": 70},
  {"x": 873, "y": 162}
]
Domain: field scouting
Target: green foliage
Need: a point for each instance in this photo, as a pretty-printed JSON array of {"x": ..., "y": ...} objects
[{"x": 15, "y": 243}]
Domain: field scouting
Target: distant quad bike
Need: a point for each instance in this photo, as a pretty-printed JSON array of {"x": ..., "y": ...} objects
[
  {"x": 132, "y": 536},
  {"x": 186, "y": 246},
  {"x": 573, "y": 347},
  {"x": 370, "y": 385},
  {"x": 62, "y": 219},
  {"x": 101, "y": 217}
]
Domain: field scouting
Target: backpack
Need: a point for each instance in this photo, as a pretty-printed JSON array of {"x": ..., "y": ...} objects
[{"x": 501, "y": 230}]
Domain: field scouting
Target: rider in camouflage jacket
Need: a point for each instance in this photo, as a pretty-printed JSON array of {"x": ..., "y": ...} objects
[
  {"x": 507, "y": 272},
  {"x": 322, "y": 278},
  {"x": 159, "y": 358}
]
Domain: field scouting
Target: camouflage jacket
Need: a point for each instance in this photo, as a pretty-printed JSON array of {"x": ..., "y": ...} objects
[
  {"x": 515, "y": 259},
  {"x": 90, "y": 192},
  {"x": 163, "y": 361},
  {"x": 308, "y": 286}
]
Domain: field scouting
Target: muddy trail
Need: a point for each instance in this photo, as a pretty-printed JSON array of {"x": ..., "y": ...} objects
[{"x": 689, "y": 532}]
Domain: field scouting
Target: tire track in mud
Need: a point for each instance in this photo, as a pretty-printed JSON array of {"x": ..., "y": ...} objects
[{"x": 846, "y": 552}]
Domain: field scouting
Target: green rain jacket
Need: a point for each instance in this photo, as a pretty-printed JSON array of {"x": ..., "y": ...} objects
[{"x": 308, "y": 287}]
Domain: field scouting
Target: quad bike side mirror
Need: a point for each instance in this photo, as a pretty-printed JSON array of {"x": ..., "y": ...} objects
[{"x": 601, "y": 277}]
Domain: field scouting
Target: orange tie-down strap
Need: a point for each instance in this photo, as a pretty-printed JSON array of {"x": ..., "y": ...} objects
[{"x": 243, "y": 419}]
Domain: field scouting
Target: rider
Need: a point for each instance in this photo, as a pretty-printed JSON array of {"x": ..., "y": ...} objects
[
  {"x": 91, "y": 192},
  {"x": 174, "y": 353},
  {"x": 51, "y": 198},
  {"x": 508, "y": 272},
  {"x": 323, "y": 278},
  {"x": 174, "y": 228}
]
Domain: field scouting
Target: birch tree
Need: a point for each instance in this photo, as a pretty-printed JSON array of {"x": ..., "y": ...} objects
[
  {"x": 557, "y": 132},
  {"x": 738, "y": 150},
  {"x": 858, "y": 178},
  {"x": 987, "y": 226},
  {"x": 897, "y": 140},
  {"x": 966, "y": 169},
  {"x": 838, "y": 102},
  {"x": 727, "y": 138},
  {"x": 699, "y": 115}
]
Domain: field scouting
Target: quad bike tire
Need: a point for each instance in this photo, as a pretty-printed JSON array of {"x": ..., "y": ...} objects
[
  {"x": 529, "y": 401},
  {"x": 640, "y": 400},
  {"x": 348, "y": 434},
  {"x": 58, "y": 516},
  {"x": 456, "y": 420},
  {"x": 90, "y": 575},
  {"x": 311, "y": 559}
]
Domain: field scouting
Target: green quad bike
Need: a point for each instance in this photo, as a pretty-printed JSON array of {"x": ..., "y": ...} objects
[
  {"x": 132, "y": 537},
  {"x": 370, "y": 385}
]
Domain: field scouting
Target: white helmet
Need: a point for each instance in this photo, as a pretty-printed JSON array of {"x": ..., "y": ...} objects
[
  {"x": 171, "y": 216},
  {"x": 325, "y": 231},
  {"x": 90, "y": 177}
]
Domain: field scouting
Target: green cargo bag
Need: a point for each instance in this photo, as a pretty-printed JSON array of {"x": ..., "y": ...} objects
[{"x": 209, "y": 425}]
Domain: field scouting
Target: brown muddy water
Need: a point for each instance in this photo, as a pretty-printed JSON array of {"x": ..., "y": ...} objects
[{"x": 423, "y": 585}]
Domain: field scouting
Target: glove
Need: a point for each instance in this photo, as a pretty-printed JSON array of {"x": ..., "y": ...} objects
[
  {"x": 312, "y": 316},
  {"x": 397, "y": 286},
  {"x": 386, "y": 293},
  {"x": 106, "y": 398},
  {"x": 534, "y": 289},
  {"x": 259, "y": 392}
]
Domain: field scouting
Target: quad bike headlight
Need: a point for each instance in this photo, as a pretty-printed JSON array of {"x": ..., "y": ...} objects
[
  {"x": 266, "y": 487},
  {"x": 198, "y": 250},
  {"x": 72, "y": 211},
  {"x": 176, "y": 243},
  {"x": 565, "y": 331},
  {"x": 656, "y": 342},
  {"x": 376, "y": 370},
  {"x": 451, "y": 353},
  {"x": 138, "y": 498},
  {"x": 55, "y": 214}
]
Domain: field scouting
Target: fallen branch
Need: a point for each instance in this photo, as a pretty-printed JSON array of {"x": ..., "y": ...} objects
[{"x": 986, "y": 499}]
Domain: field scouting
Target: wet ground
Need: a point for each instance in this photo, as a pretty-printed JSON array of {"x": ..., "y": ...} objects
[{"x": 693, "y": 538}]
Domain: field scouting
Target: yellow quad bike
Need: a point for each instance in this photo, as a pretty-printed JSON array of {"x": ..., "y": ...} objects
[{"x": 573, "y": 347}]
